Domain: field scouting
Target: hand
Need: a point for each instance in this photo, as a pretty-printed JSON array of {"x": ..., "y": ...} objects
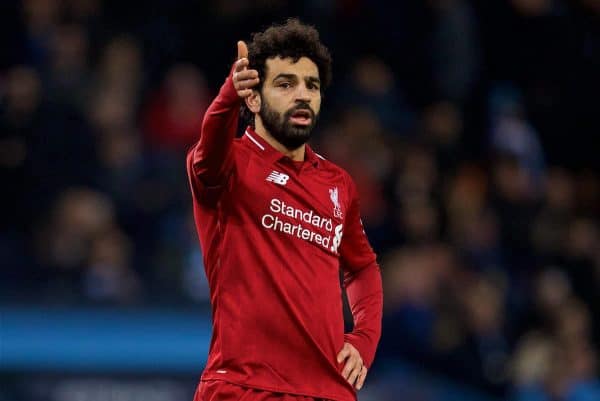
[
  {"x": 243, "y": 78},
  {"x": 354, "y": 370}
]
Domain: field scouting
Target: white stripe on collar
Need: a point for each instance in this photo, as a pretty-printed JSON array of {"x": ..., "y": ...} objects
[{"x": 255, "y": 141}]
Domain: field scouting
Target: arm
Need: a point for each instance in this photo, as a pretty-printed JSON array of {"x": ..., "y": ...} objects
[
  {"x": 209, "y": 160},
  {"x": 362, "y": 280},
  {"x": 365, "y": 297}
]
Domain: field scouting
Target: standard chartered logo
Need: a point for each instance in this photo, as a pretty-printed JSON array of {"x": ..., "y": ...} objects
[
  {"x": 337, "y": 239},
  {"x": 306, "y": 232}
]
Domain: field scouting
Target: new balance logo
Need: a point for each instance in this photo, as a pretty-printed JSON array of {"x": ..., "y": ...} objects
[{"x": 278, "y": 178}]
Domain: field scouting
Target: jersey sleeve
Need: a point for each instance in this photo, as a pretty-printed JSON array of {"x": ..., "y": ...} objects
[
  {"x": 362, "y": 281},
  {"x": 210, "y": 160}
]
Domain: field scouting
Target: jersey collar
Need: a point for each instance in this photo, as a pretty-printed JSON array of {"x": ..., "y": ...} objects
[{"x": 270, "y": 153}]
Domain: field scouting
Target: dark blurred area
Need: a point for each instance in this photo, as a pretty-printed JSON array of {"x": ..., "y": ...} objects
[{"x": 469, "y": 127}]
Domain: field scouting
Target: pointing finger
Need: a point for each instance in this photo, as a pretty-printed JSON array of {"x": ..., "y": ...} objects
[{"x": 242, "y": 49}]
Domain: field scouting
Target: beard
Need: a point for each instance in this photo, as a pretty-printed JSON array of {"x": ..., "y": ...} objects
[{"x": 292, "y": 136}]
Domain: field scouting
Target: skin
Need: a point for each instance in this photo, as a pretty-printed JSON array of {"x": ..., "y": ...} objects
[{"x": 286, "y": 84}]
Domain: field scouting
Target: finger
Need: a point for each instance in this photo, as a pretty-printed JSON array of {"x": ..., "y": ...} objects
[
  {"x": 242, "y": 49},
  {"x": 245, "y": 74},
  {"x": 344, "y": 353},
  {"x": 245, "y": 84},
  {"x": 361, "y": 378},
  {"x": 244, "y": 92},
  {"x": 352, "y": 364},
  {"x": 354, "y": 375},
  {"x": 241, "y": 64}
]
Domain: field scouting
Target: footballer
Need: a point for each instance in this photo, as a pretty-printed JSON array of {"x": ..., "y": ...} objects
[{"x": 276, "y": 223}]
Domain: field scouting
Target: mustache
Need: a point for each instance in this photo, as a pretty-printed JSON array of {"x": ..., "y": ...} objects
[{"x": 301, "y": 106}]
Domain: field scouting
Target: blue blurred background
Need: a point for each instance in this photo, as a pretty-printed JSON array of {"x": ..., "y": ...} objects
[{"x": 469, "y": 126}]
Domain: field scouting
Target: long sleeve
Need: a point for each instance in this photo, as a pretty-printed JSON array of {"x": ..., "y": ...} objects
[
  {"x": 209, "y": 160},
  {"x": 362, "y": 280}
]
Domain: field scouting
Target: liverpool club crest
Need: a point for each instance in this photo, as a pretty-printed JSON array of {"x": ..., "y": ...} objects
[{"x": 337, "y": 209}]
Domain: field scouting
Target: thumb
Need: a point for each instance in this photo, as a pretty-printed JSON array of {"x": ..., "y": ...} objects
[
  {"x": 344, "y": 353},
  {"x": 242, "y": 49}
]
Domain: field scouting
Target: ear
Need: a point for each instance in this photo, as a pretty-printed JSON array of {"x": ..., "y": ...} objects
[{"x": 253, "y": 102}]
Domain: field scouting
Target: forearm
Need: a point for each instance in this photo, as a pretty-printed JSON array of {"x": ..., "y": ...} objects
[
  {"x": 209, "y": 155},
  {"x": 365, "y": 296}
]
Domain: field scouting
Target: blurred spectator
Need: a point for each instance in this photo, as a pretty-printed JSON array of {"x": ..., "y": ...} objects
[
  {"x": 40, "y": 20},
  {"x": 532, "y": 7},
  {"x": 552, "y": 290},
  {"x": 484, "y": 352},
  {"x": 173, "y": 117},
  {"x": 455, "y": 49},
  {"x": 412, "y": 282},
  {"x": 108, "y": 275},
  {"x": 68, "y": 76},
  {"x": 515, "y": 203},
  {"x": 121, "y": 66},
  {"x": 512, "y": 134},
  {"x": 372, "y": 86},
  {"x": 21, "y": 104},
  {"x": 358, "y": 141},
  {"x": 550, "y": 228},
  {"x": 549, "y": 369},
  {"x": 64, "y": 243},
  {"x": 581, "y": 259},
  {"x": 47, "y": 147},
  {"x": 442, "y": 128}
]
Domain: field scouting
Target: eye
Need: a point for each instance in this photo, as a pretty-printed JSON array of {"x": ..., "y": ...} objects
[
  {"x": 312, "y": 86},
  {"x": 285, "y": 85}
]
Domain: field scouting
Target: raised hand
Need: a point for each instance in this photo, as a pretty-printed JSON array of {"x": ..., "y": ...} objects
[
  {"x": 243, "y": 78},
  {"x": 354, "y": 371}
]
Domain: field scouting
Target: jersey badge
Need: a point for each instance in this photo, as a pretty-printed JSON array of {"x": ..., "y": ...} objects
[{"x": 337, "y": 209}]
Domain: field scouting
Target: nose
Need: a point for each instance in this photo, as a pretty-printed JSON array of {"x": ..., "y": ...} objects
[{"x": 303, "y": 94}]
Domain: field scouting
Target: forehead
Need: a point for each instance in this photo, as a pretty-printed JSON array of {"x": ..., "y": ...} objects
[{"x": 303, "y": 68}]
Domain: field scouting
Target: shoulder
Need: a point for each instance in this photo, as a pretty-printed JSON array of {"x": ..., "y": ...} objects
[
  {"x": 240, "y": 148},
  {"x": 336, "y": 172},
  {"x": 328, "y": 166}
]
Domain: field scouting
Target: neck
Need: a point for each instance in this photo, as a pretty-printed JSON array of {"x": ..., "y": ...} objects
[{"x": 294, "y": 154}]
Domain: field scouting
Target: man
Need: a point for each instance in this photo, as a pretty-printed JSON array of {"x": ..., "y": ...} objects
[{"x": 276, "y": 222}]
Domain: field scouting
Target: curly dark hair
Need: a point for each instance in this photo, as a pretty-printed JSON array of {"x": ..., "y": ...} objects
[{"x": 294, "y": 40}]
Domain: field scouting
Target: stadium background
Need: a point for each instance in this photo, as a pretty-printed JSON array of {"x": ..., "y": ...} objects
[{"x": 469, "y": 127}]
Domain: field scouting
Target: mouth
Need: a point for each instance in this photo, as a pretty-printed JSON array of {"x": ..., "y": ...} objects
[{"x": 301, "y": 117}]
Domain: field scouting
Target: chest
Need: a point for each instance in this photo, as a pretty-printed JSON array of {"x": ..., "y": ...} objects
[{"x": 305, "y": 203}]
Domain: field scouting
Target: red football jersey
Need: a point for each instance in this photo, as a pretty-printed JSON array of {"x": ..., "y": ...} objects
[{"x": 275, "y": 233}]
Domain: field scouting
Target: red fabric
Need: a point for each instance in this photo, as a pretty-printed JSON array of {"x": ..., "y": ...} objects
[
  {"x": 274, "y": 234},
  {"x": 219, "y": 390}
]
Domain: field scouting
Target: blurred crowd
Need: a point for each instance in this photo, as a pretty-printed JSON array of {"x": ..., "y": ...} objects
[{"x": 468, "y": 126}]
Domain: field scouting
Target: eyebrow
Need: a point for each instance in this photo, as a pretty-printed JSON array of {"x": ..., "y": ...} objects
[
  {"x": 286, "y": 76},
  {"x": 294, "y": 77}
]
